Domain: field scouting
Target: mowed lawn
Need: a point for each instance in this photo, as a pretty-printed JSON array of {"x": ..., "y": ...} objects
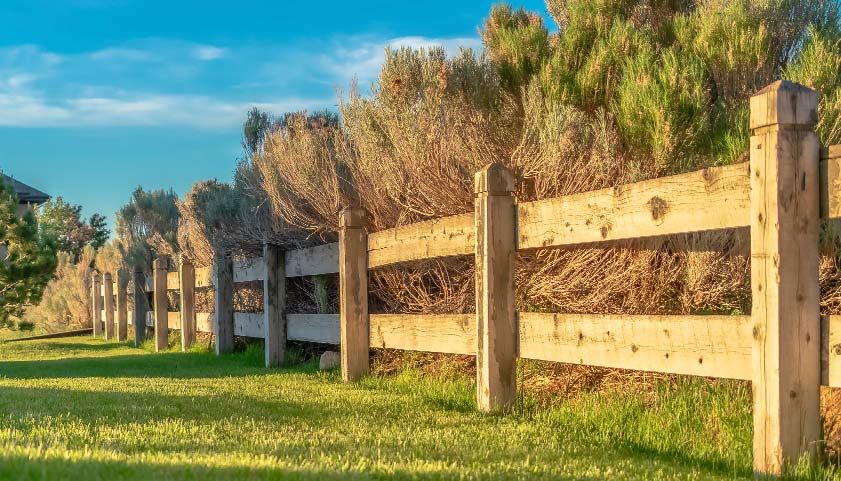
[{"x": 84, "y": 409}]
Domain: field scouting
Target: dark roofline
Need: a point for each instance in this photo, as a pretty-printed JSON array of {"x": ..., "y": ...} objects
[{"x": 25, "y": 193}]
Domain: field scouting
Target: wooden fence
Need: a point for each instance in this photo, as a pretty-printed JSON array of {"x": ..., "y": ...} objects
[{"x": 785, "y": 347}]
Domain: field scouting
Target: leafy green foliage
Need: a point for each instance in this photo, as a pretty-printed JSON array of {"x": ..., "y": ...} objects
[
  {"x": 29, "y": 260},
  {"x": 62, "y": 222}
]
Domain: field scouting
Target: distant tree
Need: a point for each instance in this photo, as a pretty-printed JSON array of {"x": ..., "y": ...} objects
[
  {"x": 148, "y": 226},
  {"x": 62, "y": 222},
  {"x": 30, "y": 259}
]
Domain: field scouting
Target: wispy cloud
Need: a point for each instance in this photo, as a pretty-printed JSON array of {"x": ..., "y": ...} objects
[{"x": 160, "y": 82}]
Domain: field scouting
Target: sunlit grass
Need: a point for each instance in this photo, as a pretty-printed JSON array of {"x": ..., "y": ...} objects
[{"x": 84, "y": 409}]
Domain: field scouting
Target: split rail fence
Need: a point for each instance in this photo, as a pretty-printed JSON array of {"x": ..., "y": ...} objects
[{"x": 785, "y": 347}]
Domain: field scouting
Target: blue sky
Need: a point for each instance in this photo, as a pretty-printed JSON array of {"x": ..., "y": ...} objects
[{"x": 99, "y": 96}]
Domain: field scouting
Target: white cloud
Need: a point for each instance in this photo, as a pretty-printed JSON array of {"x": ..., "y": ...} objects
[
  {"x": 208, "y": 52},
  {"x": 160, "y": 82},
  {"x": 140, "y": 110},
  {"x": 364, "y": 60}
]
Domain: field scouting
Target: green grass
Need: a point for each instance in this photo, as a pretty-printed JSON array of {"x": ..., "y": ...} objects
[{"x": 84, "y": 409}]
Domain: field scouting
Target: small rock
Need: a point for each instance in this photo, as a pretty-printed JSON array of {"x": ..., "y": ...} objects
[{"x": 329, "y": 360}]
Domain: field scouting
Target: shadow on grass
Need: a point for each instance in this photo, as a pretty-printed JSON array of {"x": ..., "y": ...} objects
[
  {"x": 160, "y": 365},
  {"x": 119, "y": 409},
  {"x": 19, "y": 467}
]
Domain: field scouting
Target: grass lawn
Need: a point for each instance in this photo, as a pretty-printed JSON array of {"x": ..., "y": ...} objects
[{"x": 84, "y": 409}]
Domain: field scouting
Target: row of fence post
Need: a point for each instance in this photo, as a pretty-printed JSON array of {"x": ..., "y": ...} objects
[{"x": 784, "y": 192}]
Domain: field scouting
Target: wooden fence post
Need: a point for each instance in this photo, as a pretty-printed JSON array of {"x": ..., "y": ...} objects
[
  {"x": 96, "y": 304},
  {"x": 187, "y": 286},
  {"x": 159, "y": 271},
  {"x": 122, "y": 307},
  {"x": 496, "y": 322},
  {"x": 108, "y": 284},
  {"x": 224, "y": 300},
  {"x": 784, "y": 157},
  {"x": 274, "y": 303},
  {"x": 140, "y": 306},
  {"x": 353, "y": 293}
]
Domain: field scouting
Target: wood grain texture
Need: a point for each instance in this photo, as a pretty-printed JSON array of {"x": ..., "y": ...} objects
[
  {"x": 173, "y": 282},
  {"x": 353, "y": 293},
  {"x": 449, "y": 333},
  {"x": 96, "y": 304},
  {"x": 447, "y": 236},
  {"x": 785, "y": 198},
  {"x": 204, "y": 277},
  {"x": 274, "y": 304},
  {"x": 313, "y": 261},
  {"x": 496, "y": 323},
  {"x": 187, "y": 282},
  {"x": 138, "y": 315},
  {"x": 122, "y": 310},
  {"x": 224, "y": 304},
  {"x": 715, "y": 346},
  {"x": 713, "y": 198},
  {"x": 830, "y": 169},
  {"x": 321, "y": 328},
  {"x": 161, "y": 303},
  {"x": 108, "y": 295},
  {"x": 246, "y": 270}
]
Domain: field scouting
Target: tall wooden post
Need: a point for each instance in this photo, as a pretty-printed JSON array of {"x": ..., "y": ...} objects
[
  {"x": 108, "y": 284},
  {"x": 159, "y": 271},
  {"x": 274, "y": 304},
  {"x": 353, "y": 293},
  {"x": 122, "y": 307},
  {"x": 140, "y": 306},
  {"x": 96, "y": 304},
  {"x": 496, "y": 323},
  {"x": 187, "y": 283},
  {"x": 224, "y": 300},
  {"x": 784, "y": 157}
]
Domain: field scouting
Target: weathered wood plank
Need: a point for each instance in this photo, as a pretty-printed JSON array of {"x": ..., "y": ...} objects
[
  {"x": 323, "y": 328},
  {"x": 274, "y": 304},
  {"x": 353, "y": 293},
  {"x": 224, "y": 303},
  {"x": 96, "y": 304},
  {"x": 159, "y": 269},
  {"x": 714, "y": 198},
  {"x": 173, "y": 282},
  {"x": 249, "y": 324},
  {"x": 715, "y": 346},
  {"x": 108, "y": 295},
  {"x": 785, "y": 210},
  {"x": 204, "y": 276},
  {"x": 138, "y": 315},
  {"x": 450, "y": 333},
  {"x": 831, "y": 182},
  {"x": 496, "y": 318},
  {"x": 246, "y": 270},
  {"x": 122, "y": 310},
  {"x": 187, "y": 280},
  {"x": 447, "y": 236},
  {"x": 313, "y": 261}
]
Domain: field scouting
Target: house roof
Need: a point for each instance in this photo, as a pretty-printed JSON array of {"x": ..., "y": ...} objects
[{"x": 25, "y": 193}]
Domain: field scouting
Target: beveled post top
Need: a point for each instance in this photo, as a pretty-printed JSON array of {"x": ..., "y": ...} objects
[
  {"x": 184, "y": 260},
  {"x": 108, "y": 277},
  {"x": 494, "y": 179},
  {"x": 160, "y": 263},
  {"x": 352, "y": 217},
  {"x": 784, "y": 103},
  {"x": 97, "y": 276}
]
